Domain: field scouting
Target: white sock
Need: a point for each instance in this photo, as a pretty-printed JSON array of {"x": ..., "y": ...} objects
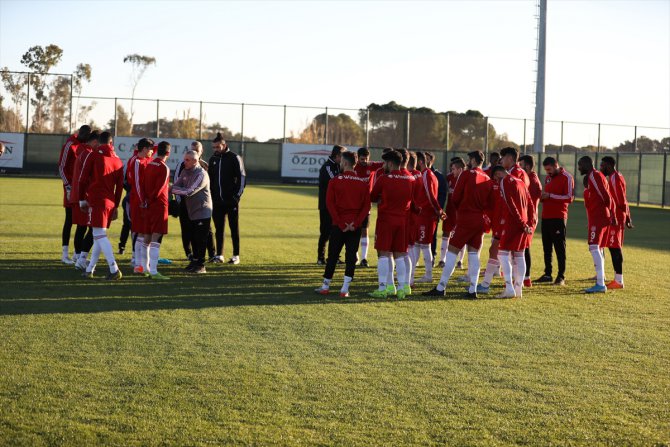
[
  {"x": 408, "y": 267},
  {"x": 364, "y": 247},
  {"x": 401, "y": 266},
  {"x": 427, "y": 259},
  {"x": 449, "y": 266},
  {"x": 492, "y": 267},
  {"x": 66, "y": 249},
  {"x": 473, "y": 270},
  {"x": 389, "y": 276},
  {"x": 345, "y": 284},
  {"x": 599, "y": 264},
  {"x": 618, "y": 278},
  {"x": 100, "y": 236},
  {"x": 461, "y": 255},
  {"x": 443, "y": 248},
  {"x": 326, "y": 283},
  {"x": 506, "y": 264},
  {"x": 520, "y": 263},
  {"x": 412, "y": 262},
  {"x": 137, "y": 252},
  {"x": 382, "y": 271},
  {"x": 154, "y": 252},
  {"x": 144, "y": 258},
  {"x": 83, "y": 255},
  {"x": 95, "y": 255},
  {"x": 417, "y": 254}
]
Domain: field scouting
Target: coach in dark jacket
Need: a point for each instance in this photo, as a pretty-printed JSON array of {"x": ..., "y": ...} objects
[
  {"x": 328, "y": 170},
  {"x": 227, "y": 179}
]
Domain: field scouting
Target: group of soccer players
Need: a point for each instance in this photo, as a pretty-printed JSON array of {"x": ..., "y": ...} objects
[
  {"x": 93, "y": 183},
  {"x": 502, "y": 199}
]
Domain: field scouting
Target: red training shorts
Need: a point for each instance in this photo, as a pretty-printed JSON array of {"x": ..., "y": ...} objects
[
  {"x": 138, "y": 220},
  {"x": 157, "y": 219},
  {"x": 513, "y": 240},
  {"x": 425, "y": 229},
  {"x": 615, "y": 236},
  {"x": 99, "y": 217},
  {"x": 391, "y": 235},
  {"x": 598, "y": 234},
  {"x": 468, "y": 232}
]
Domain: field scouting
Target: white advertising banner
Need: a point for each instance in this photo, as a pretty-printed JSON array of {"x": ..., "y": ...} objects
[
  {"x": 303, "y": 161},
  {"x": 124, "y": 147},
  {"x": 12, "y": 158}
]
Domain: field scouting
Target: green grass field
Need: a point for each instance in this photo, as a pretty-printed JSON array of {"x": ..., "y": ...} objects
[{"x": 249, "y": 355}]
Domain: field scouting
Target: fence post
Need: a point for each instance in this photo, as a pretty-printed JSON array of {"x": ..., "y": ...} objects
[
  {"x": 448, "y": 128},
  {"x": 367, "y": 127},
  {"x": 116, "y": 124},
  {"x": 71, "y": 87},
  {"x": 665, "y": 172},
  {"x": 325, "y": 133},
  {"x": 524, "y": 135},
  {"x": 561, "y": 136},
  {"x": 200, "y": 124},
  {"x": 639, "y": 178},
  {"x": 635, "y": 140},
  {"x": 242, "y": 133},
  {"x": 598, "y": 148},
  {"x": 158, "y": 119},
  {"x": 284, "y": 138},
  {"x": 407, "y": 130},
  {"x": 28, "y": 104},
  {"x": 486, "y": 136}
]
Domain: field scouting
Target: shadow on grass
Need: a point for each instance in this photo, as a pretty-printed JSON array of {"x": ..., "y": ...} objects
[{"x": 47, "y": 287}]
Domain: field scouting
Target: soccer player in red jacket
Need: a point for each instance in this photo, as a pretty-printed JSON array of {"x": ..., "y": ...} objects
[
  {"x": 83, "y": 235},
  {"x": 429, "y": 211},
  {"x": 472, "y": 197},
  {"x": 348, "y": 202},
  {"x": 393, "y": 191},
  {"x": 156, "y": 189},
  {"x": 617, "y": 186},
  {"x": 100, "y": 190},
  {"x": 558, "y": 194},
  {"x": 138, "y": 203},
  {"x": 367, "y": 169},
  {"x": 518, "y": 218},
  {"x": 66, "y": 162},
  {"x": 527, "y": 163},
  {"x": 599, "y": 212},
  {"x": 456, "y": 166}
]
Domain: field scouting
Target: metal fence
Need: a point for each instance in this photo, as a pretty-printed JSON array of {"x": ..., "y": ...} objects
[{"x": 49, "y": 103}]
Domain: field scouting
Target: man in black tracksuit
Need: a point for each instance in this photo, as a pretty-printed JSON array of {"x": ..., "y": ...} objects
[
  {"x": 328, "y": 170},
  {"x": 227, "y": 179}
]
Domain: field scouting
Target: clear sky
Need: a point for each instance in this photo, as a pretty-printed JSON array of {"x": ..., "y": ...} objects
[{"x": 608, "y": 61}]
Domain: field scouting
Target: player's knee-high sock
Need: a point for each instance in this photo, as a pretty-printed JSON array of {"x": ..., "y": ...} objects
[
  {"x": 100, "y": 235},
  {"x": 95, "y": 255},
  {"x": 492, "y": 267},
  {"x": 412, "y": 261},
  {"x": 506, "y": 264},
  {"x": 364, "y": 247},
  {"x": 427, "y": 259},
  {"x": 382, "y": 271},
  {"x": 137, "y": 250},
  {"x": 519, "y": 272},
  {"x": 417, "y": 255},
  {"x": 389, "y": 276},
  {"x": 617, "y": 262},
  {"x": 154, "y": 253},
  {"x": 345, "y": 284},
  {"x": 449, "y": 266},
  {"x": 443, "y": 248},
  {"x": 473, "y": 270},
  {"x": 401, "y": 266},
  {"x": 599, "y": 264},
  {"x": 144, "y": 259},
  {"x": 461, "y": 255}
]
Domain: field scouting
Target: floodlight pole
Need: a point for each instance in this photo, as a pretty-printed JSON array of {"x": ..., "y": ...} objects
[{"x": 539, "y": 87}]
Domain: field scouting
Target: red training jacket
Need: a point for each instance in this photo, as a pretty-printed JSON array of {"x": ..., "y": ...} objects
[
  {"x": 66, "y": 160},
  {"x": 617, "y": 186},
  {"x": 473, "y": 194},
  {"x": 348, "y": 199},
  {"x": 393, "y": 192},
  {"x": 519, "y": 173},
  {"x": 101, "y": 180},
  {"x": 597, "y": 199},
  {"x": 561, "y": 190},
  {"x": 156, "y": 183},
  {"x": 518, "y": 210},
  {"x": 425, "y": 194},
  {"x": 84, "y": 151}
]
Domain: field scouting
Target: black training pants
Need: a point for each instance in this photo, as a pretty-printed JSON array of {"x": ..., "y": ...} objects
[
  {"x": 221, "y": 209},
  {"x": 186, "y": 228},
  {"x": 553, "y": 236},
  {"x": 125, "y": 229},
  {"x": 325, "y": 224},
  {"x": 337, "y": 240},
  {"x": 67, "y": 226},
  {"x": 199, "y": 231}
]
